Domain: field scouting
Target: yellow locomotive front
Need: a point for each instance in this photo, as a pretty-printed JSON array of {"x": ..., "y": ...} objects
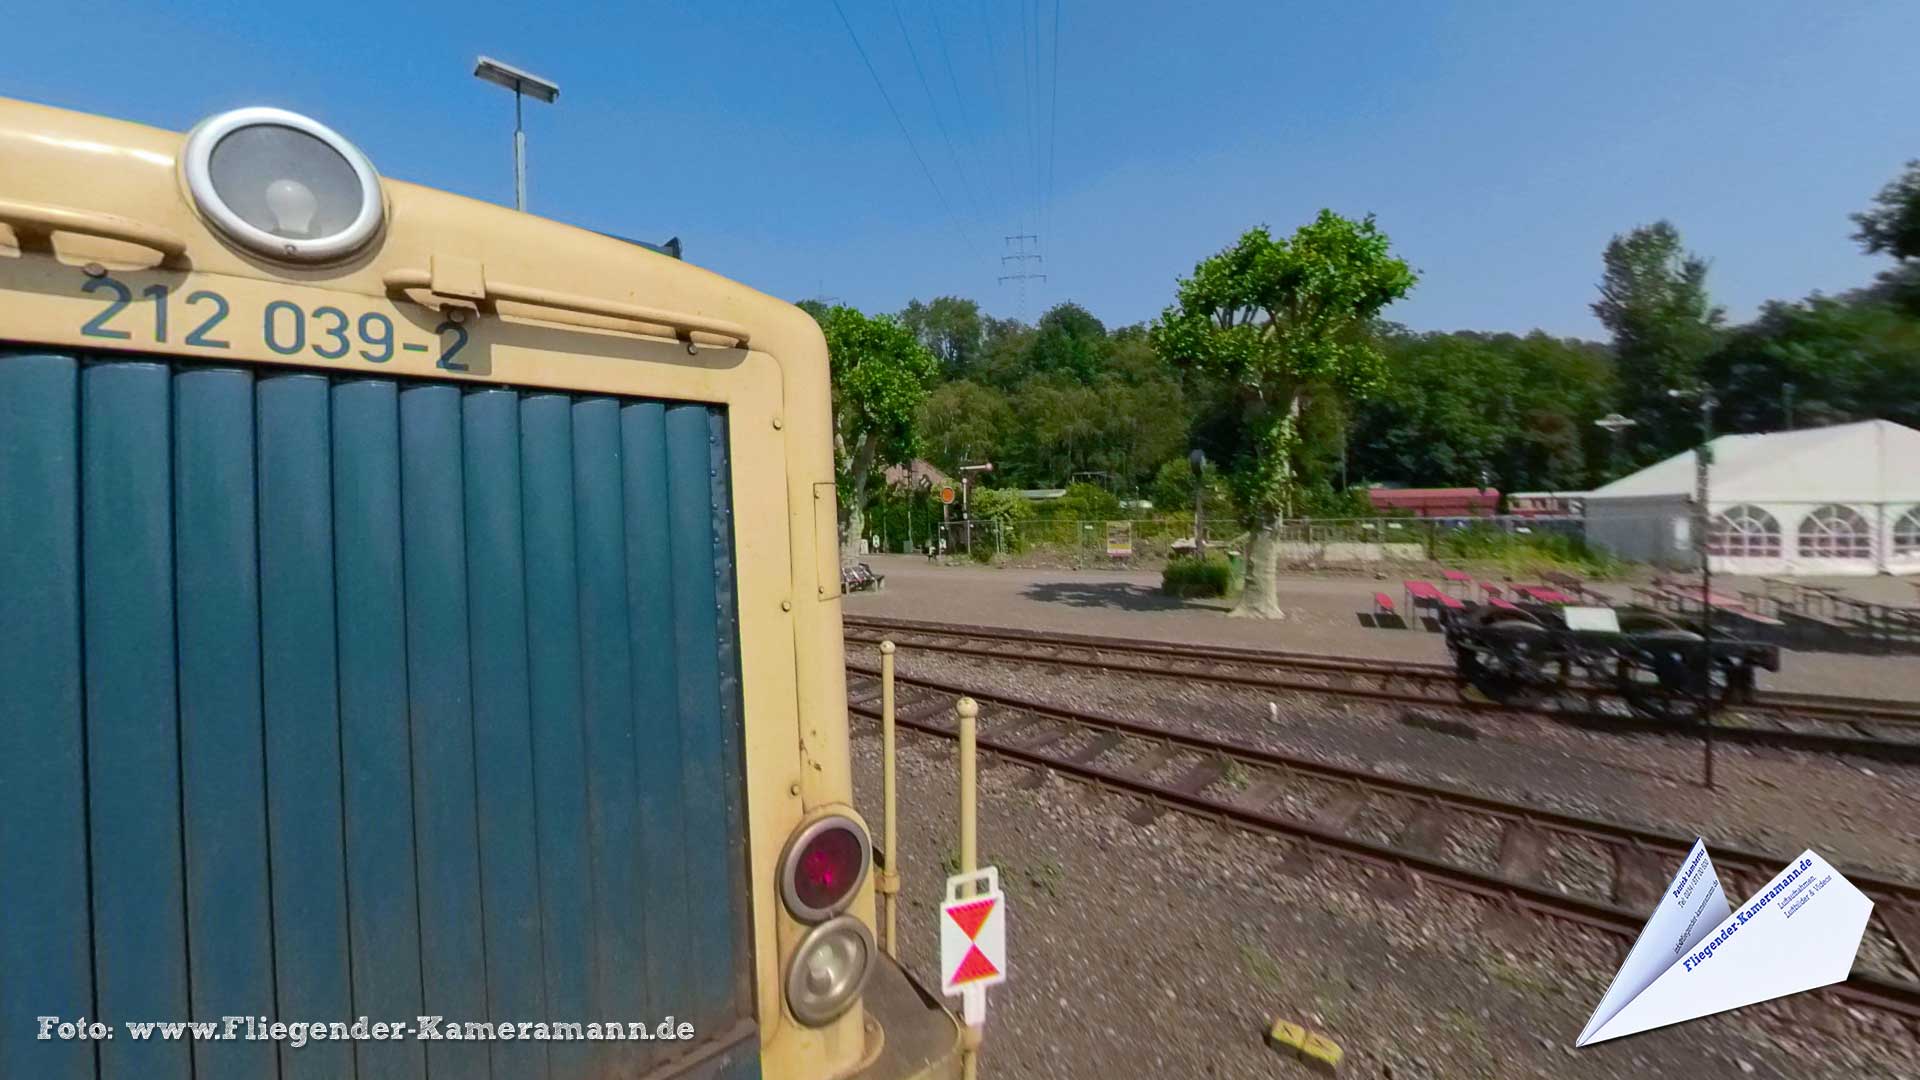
[{"x": 423, "y": 640}]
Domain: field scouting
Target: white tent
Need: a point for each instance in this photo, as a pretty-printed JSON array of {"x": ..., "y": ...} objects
[{"x": 1833, "y": 500}]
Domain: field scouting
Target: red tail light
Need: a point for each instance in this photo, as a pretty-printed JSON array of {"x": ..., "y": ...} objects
[{"x": 824, "y": 865}]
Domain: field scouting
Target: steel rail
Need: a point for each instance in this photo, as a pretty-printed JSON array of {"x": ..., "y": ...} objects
[
  {"x": 1897, "y": 996},
  {"x": 1138, "y": 658}
]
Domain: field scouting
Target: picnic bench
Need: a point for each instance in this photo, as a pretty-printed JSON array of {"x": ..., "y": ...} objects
[
  {"x": 860, "y": 576},
  {"x": 1542, "y": 594},
  {"x": 1694, "y": 595},
  {"x": 1566, "y": 582},
  {"x": 1458, "y": 577},
  {"x": 1424, "y": 594}
]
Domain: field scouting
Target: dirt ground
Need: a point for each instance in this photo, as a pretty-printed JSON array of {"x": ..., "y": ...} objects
[
  {"x": 1326, "y": 614},
  {"x": 1168, "y": 950}
]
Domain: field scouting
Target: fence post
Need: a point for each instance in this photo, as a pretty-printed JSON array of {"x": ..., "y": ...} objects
[{"x": 968, "y": 713}]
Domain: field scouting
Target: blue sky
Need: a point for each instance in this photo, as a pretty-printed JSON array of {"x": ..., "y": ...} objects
[{"x": 1499, "y": 144}]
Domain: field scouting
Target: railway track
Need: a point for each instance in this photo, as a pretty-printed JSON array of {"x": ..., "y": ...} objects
[
  {"x": 1538, "y": 862},
  {"x": 1882, "y": 729}
]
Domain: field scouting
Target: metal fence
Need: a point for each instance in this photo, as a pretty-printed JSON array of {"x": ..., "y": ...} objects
[{"x": 1163, "y": 536}]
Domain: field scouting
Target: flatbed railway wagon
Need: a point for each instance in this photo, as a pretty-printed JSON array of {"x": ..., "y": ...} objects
[
  {"x": 1664, "y": 668},
  {"x": 412, "y": 608}
]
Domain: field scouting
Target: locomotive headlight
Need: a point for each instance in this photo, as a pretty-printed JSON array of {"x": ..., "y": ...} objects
[
  {"x": 829, "y": 970},
  {"x": 824, "y": 864},
  {"x": 282, "y": 184}
]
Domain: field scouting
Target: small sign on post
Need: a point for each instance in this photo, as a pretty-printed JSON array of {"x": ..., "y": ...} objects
[
  {"x": 973, "y": 940},
  {"x": 1120, "y": 539}
]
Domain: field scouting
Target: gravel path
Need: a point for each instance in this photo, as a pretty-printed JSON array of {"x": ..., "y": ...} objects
[{"x": 1166, "y": 950}]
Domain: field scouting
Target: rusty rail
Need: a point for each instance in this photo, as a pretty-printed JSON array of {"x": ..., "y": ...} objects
[
  {"x": 1897, "y": 903},
  {"x": 1849, "y": 724}
]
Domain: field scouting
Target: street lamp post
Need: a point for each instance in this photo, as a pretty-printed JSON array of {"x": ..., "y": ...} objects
[
  {"x": 522, "y": 83},
  {"x": 966, "y": 484},
  {"x": 1703, "y": 523},
  {"x": 1614, "y": 424}
]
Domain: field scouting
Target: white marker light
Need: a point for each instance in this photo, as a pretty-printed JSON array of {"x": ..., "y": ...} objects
[
  {"x": 293, "y": 206},
  {"x": 829, "y": 970},
  {"x": 282, "y": 185}
]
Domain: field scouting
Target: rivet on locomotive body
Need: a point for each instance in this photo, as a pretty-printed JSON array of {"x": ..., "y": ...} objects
[{"x": 94, "y": 270}]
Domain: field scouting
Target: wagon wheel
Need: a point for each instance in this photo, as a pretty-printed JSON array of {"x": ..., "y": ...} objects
[
  {"x": 1660, "y": 675},
  {"x": 1513, "y": 668}
]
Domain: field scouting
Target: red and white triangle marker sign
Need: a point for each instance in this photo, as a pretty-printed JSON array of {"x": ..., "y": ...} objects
[{"x": 973, "y": 932}]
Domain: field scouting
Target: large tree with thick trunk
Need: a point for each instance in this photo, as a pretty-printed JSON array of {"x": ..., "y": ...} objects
[
  {"x": 881, "y": 374},
  {"x": 1282, "y": 322}
]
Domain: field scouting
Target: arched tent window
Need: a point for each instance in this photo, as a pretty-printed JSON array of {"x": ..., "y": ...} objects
[
  {"x": 1906, "y": 533},
  {"x": 1836, "y": 532},
  {"x": 1745, "y": 532}
]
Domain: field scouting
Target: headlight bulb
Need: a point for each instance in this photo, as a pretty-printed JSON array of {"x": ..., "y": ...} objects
[{"x": 293, "y": 206}]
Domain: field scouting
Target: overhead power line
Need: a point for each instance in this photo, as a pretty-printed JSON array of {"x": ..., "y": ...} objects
[
  {"x": 1053, "y": 118},
  {"x": 959, "y": 166},
  {"x": 1029, "y": 61},
  {"x": 908, "y": 135},
  {"x": 960, "y": 98},
  {"x": 1002, "y": 112}
]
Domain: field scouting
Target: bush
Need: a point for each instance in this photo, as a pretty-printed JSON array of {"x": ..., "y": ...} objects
[
  {"x": 1209, "y": 576},
  {"x": 1085, "y": 502},
  {"x": 1524, "y": 553}
]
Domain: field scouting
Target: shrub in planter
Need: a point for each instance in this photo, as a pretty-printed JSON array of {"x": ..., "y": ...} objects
[{"x": 1190, "y": 576}]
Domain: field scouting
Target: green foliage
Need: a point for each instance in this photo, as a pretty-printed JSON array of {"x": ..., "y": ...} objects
[
  {"x": 881, "y": 374},
  {"x": 964, "y": 423},
  {"x": 1069, "y": 341},
  {"x": 1523, "y": 553},
  {"x": 1085, "y": 502},
  {"x": 1321, "y": 501},
  {"x": 1066, "y": 398},
  {"x": 1521, "y": 409},
  {"x": 1892, "y": 227},
  {"x": 1191, "y": 576},
  {"x": 1280, "y": 322},
  {"x": 951, "y": 328},
  {"x": 1653, "y": 297},
  {"x": 1844, "y": 360},
  {"x": 1008, "y": 508},
  {"x": 1172, "y": 490}
]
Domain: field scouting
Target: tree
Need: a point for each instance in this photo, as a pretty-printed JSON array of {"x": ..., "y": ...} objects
[
  {"x": 1069, "y": 341},
  {"x": 1172, "y": 490},
  {"x": 964, "y": 423},
  {"x": 1281, "y": 322},
  {"x": 881, "y": 374},
  {"x": 1519, "y": 409},
  {"x": 1892, "y": 227},
  {"x": 951, "y": 329},
  {"x": 1653, "y": 297},
  {"x": 1003, "y": 352},
  {"x": 1844, "y": 360}
]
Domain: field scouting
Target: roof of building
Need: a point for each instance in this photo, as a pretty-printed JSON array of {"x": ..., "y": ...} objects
[
  {"x": 1867, "y": 461},
  {"x": 921, "y": 469},
  {"x": 1392, "y": 496}
]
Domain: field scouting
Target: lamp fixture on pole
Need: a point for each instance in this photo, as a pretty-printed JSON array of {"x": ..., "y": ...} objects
[{"x": 523, "y": 84}]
